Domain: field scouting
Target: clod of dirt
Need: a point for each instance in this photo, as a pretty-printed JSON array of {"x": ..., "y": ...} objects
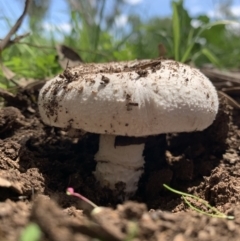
[
  {"x": 10, "y": 118},
  {"x": 220, "y": 188},
  {"x": 10, "y": 149},
  {"x": 13, "y": 218},
  {"x": 7, "y": 187}
]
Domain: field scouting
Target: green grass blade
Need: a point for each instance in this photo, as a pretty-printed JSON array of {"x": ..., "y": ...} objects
[
  {"x": 185, "y": 197},
  {"x": 213, "y": 59},
  {"x": 190, "y": 36},
  {"x": 176, "y": 31},
  {"x": 187, "y": 53},
  {"x": 190, "y": 44}
]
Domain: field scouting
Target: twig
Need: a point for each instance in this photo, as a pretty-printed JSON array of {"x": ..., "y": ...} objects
[
  {"x": 5, "y": 41},
  {"x": 16, "y": 39},
  {"x": 217, "y": 75}
]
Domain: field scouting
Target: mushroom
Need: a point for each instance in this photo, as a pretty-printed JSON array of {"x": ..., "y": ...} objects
[{"x": 133, "y": 99}]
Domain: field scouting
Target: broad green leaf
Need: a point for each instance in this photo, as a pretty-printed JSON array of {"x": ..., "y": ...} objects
[
  {"x": 196, "y": 37},
  {"x": 210, "y": 25}
]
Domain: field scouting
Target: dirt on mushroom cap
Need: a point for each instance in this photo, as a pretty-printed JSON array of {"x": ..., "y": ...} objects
[{"x": 130, "y": 98}]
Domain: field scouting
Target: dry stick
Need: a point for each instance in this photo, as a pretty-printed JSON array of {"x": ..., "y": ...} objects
[
  {"x": 218, "y": 75},
  {"x": 16, "y": 39},
  {"x": 7, "y": 40},
  {"x": 14, "y": 29}
]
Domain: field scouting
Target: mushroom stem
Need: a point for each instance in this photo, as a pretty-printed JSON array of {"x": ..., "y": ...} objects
[{"x": 119, "y": 164}]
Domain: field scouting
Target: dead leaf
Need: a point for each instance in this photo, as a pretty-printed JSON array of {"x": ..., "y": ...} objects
[
  {"x": 162, "y": 51},
  {"x": 67, "y": 57}
]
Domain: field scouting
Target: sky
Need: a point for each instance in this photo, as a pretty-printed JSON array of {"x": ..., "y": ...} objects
[{"x": 58, "y": 12}]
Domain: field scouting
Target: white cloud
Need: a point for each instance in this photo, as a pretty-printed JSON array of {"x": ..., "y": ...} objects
[
  {"x": 62, "y": 27},
  {"x": 133, "y": 2},
  {"x": 121, "y": 20},
  {"x": 196, "y": 23},
  {"x": 216, "y": 13},
  {"x": 234, "y": 27},
  {"x": 236, "y": 11}
]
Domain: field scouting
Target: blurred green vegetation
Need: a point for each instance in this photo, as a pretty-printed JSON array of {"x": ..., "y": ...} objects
[
  {"x": 32, "y": 232},
  {"x": 96, "y": 37}
]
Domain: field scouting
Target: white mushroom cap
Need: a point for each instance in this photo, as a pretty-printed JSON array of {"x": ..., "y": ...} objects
[{"x": 136, "y": 98}]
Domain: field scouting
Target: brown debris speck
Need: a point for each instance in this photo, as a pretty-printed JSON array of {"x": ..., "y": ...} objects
[
  {"x": 105, "y": 80},
  {"x": 69, "y": 75},
  {"x": 80, "y": 89},
  {"x": 133, "y": 103},
  {"x": 142, "y": 72}
]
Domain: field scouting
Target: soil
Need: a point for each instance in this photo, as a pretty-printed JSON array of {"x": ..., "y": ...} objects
[{"x": 38, "y": 163}]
